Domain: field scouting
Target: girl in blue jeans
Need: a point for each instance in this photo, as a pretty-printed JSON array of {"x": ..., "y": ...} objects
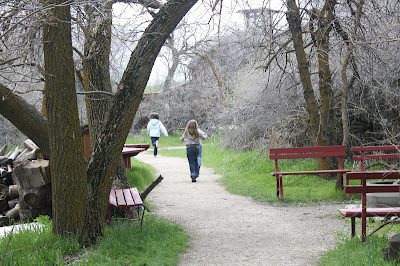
[{"x": 191, "y": 137}]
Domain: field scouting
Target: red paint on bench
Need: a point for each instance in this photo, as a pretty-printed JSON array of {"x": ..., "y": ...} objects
[
  {"x": 365, "y": 188},
  {"x": 128, "y": 152},
  {"x": 126, "y": 198},
  {"x": 306, "y": 152}
]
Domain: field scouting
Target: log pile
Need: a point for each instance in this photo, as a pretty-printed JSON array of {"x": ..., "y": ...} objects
[{"x": 25, "y": 191}]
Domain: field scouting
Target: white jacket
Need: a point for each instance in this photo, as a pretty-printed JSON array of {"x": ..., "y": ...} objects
[{"x": 154, "y": 127}]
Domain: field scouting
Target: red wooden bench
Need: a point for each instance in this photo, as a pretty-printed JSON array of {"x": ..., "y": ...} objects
[
  {"x": 131, "y": 150},
  {"x": 365, "y": 188},
  {"x": 126, "y": 198},
  {"x": 367, "y": 153},
  {"x": 306, "y": 152}
]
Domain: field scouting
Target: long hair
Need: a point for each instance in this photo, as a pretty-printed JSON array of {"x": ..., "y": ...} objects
[{"x": 191, "y": 129}]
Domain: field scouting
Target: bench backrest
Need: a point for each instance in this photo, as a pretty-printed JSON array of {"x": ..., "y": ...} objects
[
  {"x": 375, "y": 153},
  {"x": 307, "y": 152},
  {"x": 363, "y": 188}
]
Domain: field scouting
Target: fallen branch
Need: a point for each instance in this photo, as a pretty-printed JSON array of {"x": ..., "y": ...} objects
[{"x": 144, "y": 194}]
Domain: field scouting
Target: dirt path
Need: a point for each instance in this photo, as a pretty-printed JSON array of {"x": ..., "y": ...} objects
[{"x": 227, "y": 229}]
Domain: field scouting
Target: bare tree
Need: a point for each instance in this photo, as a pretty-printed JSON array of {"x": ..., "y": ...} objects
[{"x": 94, "y": 183}]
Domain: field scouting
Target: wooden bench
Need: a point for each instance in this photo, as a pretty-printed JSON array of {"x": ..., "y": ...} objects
[
  {"x": 126, "y": 198},
  {"x": 306, "y": 152},
  {"x": 131, "y": 150},
  {"x": 368, "y": 153},
  {"x": 365, "y": 188}
]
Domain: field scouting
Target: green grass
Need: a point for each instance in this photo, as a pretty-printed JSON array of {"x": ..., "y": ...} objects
[
  {"x": 170, "y": 141},
  {"x": 158, "y": 242},
  {"x": 140, "y": 175},
  {"x": 354, "y": 252}
]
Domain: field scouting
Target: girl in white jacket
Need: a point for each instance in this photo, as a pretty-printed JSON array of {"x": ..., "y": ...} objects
[{"x": 154, "y": 126}]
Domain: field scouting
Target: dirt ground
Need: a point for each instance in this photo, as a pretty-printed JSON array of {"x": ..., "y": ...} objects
[{"x": 228, "y": 229}]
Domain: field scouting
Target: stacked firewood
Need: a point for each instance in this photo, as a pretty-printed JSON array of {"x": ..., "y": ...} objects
[{"x": 25, "y": 191}]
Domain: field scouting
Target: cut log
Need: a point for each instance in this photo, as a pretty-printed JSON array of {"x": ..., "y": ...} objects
[
  {"x": 5, "y": 160},
  {"x": 29, "y": 215},
  {"x": 144, "y": 194},
  {"x": 31, "y": 174},
  {"x": 14, "y": 154},
  {"x": 3, "y": 150},
  {"x": 30, "y": 145},
  {"x": 12, "y": 192},
  {"x": 13, "y": 213},
  {"x": 3, "y": 173},
  {"x": 3, "y": 203},
  {"x": 12, "y": 203},
  {"x": 35, "y": 198},
  {"x": 26, "y": 155},
  {"x": 4, "y": 220}
]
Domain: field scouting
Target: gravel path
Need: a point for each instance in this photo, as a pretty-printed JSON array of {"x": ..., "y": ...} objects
[{"x": 228, "y": 229}]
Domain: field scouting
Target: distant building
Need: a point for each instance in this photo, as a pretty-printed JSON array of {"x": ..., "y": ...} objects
[{"x": 259, "y": 17}]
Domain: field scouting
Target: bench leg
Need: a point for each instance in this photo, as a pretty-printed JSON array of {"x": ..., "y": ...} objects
[
  {"x": 128, "y": 216},
  {"x": 353, "y": 226},
  {"x": 108, "y": 222},
  {"x": 279, "y": 186}
]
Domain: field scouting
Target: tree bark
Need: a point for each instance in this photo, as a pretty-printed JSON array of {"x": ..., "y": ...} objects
[{"x": 68, "y": 176}]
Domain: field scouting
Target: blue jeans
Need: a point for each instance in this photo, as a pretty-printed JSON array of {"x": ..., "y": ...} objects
[
  {"x": 153, "y": 142},
  {"x": 192, "y": 152},
  {"x": 199, "y": 156}
]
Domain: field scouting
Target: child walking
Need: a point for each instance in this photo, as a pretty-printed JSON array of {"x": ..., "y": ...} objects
[
  {"x": 154, "y": 127},
  {"x": 191, "y": 137}
]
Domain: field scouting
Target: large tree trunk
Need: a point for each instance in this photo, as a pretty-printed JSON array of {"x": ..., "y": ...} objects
[
  {"x": 96, "y": 69},
  {"x": 68, "y": 176},
  {"x": 127, "y": 99},
  {"x": 321, "y": 119}
]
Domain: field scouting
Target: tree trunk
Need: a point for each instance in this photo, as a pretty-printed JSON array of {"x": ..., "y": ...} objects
[
  {"x": 294, "y": 20},
  {"x": 322, "y": 120},
  {"x": 68, "y": 176}
]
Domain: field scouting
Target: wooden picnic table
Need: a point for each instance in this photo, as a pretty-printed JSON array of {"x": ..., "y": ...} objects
[{"x": 131, "y": 150}]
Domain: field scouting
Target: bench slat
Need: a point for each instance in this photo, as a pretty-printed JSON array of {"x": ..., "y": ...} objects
[
  {"x": 371, "y": 212},
  {"x": 120, "y": 197},
  {"x": 376, "y": 148},
  {"x": 128, "y": 198},
  {"x": 372, "y": 189},
  {"x": 378, "y": 174},
  {"x": 337, "y": 171},
  {"x": 376, "y": 156},
  {"x": 113, "y": 199},
  {"x": 306, "y": 155},
  {"x": 308, "y": 149},
  {"x": 136, "y": 196}
]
